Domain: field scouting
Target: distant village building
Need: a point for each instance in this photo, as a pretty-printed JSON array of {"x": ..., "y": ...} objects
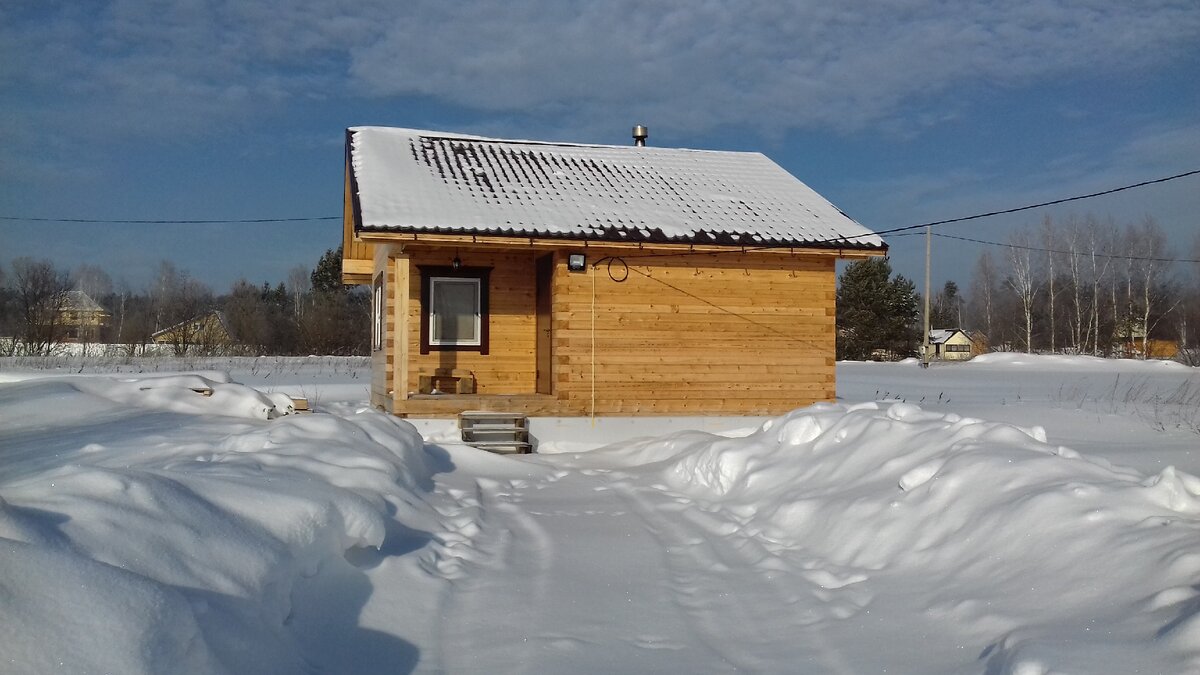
[
  {"x": 564, "y": 279},
  {"x": 206, "y": 333},
  {"x": 955, "y": 344},
  {"x": 1137, "y": 345},
  {"x": 81, "y": 318}
]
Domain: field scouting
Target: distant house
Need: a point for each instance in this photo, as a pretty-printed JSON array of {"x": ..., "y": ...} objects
[
  {"x": 955, "y": 344},
  {"x": 206, "y": 333},
  {"x": 81, "y": 317},
  {"x": 1150, "y": 348},
  {"x": 1137, "y": 345},
  {"x": 563, "y": 279}
]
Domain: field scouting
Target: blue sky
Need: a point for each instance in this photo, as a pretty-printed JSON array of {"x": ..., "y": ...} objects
[{"x": 899, "y": 112}]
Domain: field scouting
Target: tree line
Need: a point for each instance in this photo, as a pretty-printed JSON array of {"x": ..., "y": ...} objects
[
  {"x": 1079, "y": 285},
  {"x": 1084, "y": 285},
  {"x": 311, "y": 312}
]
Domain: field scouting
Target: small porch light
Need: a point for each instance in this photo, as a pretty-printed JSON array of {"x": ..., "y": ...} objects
[
  {"x": 457, "y": 262},
  {"x": 576, "y": 262}
]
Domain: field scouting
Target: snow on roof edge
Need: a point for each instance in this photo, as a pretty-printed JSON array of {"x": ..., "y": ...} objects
[{"x": 682, "y": 195}]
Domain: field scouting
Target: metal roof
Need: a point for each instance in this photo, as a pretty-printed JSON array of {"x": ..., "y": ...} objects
[{"x": 423, "y": 181}]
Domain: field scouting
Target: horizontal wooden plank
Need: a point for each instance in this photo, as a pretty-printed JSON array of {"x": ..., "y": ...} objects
[{"x": 729, "y": 363}]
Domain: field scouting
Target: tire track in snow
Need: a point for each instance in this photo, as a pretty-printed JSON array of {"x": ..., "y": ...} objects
[
  {"x": 514, "y": 599},
  {"x": 756, "y": 607},
  {"x": 495, "y": 562}
]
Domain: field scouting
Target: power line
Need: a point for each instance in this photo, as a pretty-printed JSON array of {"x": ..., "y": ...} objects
[
  {"x": 906, "y": 230},
  {"x": 833, "y": 240},
  {"x": 1024, "y": 247},
  {"x": 97, "y": 221},
  {"x": 1052, "y": 202}
]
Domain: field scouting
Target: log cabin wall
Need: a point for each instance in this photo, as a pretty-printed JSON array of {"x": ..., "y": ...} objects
[
  {"x": 729, "y": 334},
  {"x": 509, "y": 367},
  {"x": 736, "y": 334},
  {"x": 357, "y": 256},
  {"x": 383, "y": 360}
]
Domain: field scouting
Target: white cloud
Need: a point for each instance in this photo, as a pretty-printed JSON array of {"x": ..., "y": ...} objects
[
  {"x": 143, "y": 66},
  {"x": 768, "y": 63}
]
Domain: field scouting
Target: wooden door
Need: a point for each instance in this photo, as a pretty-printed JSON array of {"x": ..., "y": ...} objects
[{"x": 545, "y": 275}]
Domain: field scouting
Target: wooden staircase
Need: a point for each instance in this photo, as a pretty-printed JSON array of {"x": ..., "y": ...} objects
[{"x": 500, "y": 432}]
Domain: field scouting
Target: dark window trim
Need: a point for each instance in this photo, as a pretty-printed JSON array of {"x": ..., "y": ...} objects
[{"x": 482, "y": 274}]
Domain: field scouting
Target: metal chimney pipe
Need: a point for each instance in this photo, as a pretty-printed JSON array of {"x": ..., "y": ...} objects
[{"x": 640, "y": 134}]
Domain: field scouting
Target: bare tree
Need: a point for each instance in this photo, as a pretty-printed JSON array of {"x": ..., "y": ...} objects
[
  {"x": 1188, "y": 316},
  {"x": 1050, "y": 241},
  {"x": 41, "y": 293},
  {"x": 180, "y": 303},
  {"x": 1023, "y": 279},
  {"x": 8, "y": 322},
  {"x": 299, "y": 282},
  {"x": 247, "y": 317},
  {"x": 983, "y": 287},
  {"x": 1101, "y": 244},
  {"x": 92, "y": 280},
  {"x": 1149, "y": 244}
]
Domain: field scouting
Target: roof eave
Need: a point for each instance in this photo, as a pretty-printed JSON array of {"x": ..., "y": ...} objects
[{"x": 615, "y": 236}]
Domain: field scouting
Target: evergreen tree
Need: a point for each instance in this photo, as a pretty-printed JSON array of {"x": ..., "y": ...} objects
[
  {"x": 875, "y": 311},
  {"x": 946, "y": 309},
  {"x": 327, "y": 277}
]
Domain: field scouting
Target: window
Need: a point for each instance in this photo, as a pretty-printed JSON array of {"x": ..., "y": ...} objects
[
  {"x": 454, "y": 309},
  {"x": 378, "y": 315},
  {"x": 958, "y": 348}
]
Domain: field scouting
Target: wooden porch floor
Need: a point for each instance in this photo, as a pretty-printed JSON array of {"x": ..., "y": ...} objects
[{"x": 450, "y": 405}]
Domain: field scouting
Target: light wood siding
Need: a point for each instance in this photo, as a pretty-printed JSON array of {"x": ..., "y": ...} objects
[
  {"x": 734, "y": 334},
  {"x": 383, "y": 360},
  {"x": 724, "y": 334},
  {"x": 357, "y": 257},
  {"x": 510, "y": 365}
]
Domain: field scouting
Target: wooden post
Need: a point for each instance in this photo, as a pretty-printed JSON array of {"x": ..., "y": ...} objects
[{"x": 925, "y": 320}]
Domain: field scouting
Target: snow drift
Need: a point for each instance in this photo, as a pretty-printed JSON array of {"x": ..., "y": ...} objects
[
  {"x": 174, "y": 543},
  {"x": 1053, "y": 561},
  {"x": 146, "y": 528}
]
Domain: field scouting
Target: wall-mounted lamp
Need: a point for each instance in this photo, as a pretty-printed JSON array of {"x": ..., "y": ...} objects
[
  {"x": 457, "y": 262},
  {"x": 576, "y": 262}
]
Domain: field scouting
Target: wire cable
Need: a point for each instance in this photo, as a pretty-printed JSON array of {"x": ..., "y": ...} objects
[
  {"x": 1040, "y": 249},
  {"x": 1039, "y": 205},
  {"x": 833, "y": 240}
]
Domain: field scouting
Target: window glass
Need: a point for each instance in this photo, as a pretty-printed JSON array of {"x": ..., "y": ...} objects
[{"x": 454, "y": 319}]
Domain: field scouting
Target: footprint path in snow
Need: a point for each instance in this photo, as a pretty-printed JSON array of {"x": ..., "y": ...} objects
[
  {"x": 751, "y": 600},
  {"x": 673, "y": 583},
  {"x": 545, "y": 574},
  {"x": 494, "y": 557}
]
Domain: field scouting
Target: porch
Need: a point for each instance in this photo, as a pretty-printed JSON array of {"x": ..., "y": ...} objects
[{"x": 450, "y": 405}]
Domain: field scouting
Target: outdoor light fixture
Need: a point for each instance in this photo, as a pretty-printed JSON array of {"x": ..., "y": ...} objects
[
  {"x": 576, "y": 262},
  {"x": 457, "y": 262}
]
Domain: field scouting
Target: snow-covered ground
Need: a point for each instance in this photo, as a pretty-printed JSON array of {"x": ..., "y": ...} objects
[{"x": 1014, "y": 514}]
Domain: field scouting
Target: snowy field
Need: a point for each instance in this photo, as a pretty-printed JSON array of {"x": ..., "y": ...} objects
[{"x": 1012, "y": 515}]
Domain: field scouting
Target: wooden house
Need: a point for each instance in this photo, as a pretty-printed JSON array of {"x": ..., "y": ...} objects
[
  {"x": 560, "y": 279},
  {"x": 206, "y": 333},
  {"x": 954, "y": 344},
  {"x": 81, "y": 317}
]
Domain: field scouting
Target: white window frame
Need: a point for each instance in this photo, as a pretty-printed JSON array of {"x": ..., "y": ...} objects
[{"x": 378, "y": 315}]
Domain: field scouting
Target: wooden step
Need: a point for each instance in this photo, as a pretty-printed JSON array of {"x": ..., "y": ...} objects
[
  {"x": 495, "y": 431},
  {"x": 502, "y": 447}
]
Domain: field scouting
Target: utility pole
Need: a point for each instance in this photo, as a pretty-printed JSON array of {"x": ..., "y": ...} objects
[{"x": 925, "y": 320}]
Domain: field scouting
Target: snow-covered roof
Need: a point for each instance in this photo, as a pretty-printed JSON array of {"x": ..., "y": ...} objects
[
  {"x": 939, "y": 336},
  {"x": 78, "y": 301},
  {"x": 424, "y": 181}
]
